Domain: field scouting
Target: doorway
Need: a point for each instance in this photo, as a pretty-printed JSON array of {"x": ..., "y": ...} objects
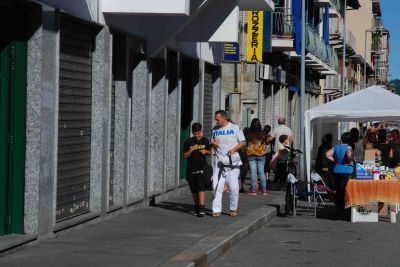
[
  {"x": 190, "y": 78},
  {"x": 13, "y": 61}
]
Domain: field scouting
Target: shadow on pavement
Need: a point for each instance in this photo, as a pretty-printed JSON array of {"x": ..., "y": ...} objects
[
  {"x": 178, "y": 207},
  {"x": 328, "y": 212}
]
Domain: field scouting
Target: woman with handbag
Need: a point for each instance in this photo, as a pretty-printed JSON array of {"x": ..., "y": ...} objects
[
  {"x": 256, "y": 150},
  {"x": 195, "y": 150}
]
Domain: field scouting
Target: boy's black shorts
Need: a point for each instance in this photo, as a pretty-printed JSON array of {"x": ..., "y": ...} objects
[{"x": 196, "y": 183}]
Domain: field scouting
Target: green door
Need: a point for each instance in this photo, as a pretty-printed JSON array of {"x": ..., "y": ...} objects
[
  {"x": 12, "y": 135},
  {"x": 185, "y": 134}
]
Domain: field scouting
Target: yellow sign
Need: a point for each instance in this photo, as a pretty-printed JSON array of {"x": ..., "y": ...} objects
[{"x": 254, "y": 36}]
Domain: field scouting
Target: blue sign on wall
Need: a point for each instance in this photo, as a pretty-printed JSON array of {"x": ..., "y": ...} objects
[{"x": 231, "y": 52}]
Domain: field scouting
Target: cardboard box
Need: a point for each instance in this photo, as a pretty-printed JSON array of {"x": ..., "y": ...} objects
[{"x": 365, "y": 213}]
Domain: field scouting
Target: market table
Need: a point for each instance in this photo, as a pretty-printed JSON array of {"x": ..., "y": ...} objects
[{"x": 364, "y": 192}]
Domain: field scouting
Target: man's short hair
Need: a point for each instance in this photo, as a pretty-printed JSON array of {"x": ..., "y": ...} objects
[
  {"x": 196, "y": 127},
  {"x": 346, "y": 138},
  {"x": 281, "y": 120},
  {"x": 283, "y": 138},
  {"x": 222, "y": 113}
]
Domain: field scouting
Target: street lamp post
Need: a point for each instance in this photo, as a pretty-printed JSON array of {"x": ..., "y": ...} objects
[
  {"x": 302, "y": 84},
  {"x": 344, "y": 49},
  {"x": 365, "y": 59}
]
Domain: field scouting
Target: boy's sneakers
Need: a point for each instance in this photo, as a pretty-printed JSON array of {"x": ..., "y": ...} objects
[
  {"x": 264, "y": 193},
  {"x": 196, "y": 211},
  {"x": 201, "y": 211},
  {"x": 252, "y": 192}
]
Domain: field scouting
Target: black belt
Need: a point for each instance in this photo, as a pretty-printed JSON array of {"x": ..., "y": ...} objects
[{"x": 221, "y": 169}]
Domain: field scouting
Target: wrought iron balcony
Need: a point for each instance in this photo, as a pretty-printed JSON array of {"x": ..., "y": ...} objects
[{"x": 282, "y": 23}]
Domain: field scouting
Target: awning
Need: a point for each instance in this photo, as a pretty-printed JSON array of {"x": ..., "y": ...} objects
[
  {"x": 254, "y": 5},
  {"x": 163, "y": 7},
  {"x": 373, "y": 103},
  {"x": 296, "y": 13}
]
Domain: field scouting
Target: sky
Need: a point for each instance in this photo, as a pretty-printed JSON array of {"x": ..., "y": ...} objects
[{"x": 391, "y": 21}]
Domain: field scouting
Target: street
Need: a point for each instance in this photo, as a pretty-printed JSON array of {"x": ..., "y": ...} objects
[
  {"x": 329, "y": 240},
  {"x": 147, "y": 237}
]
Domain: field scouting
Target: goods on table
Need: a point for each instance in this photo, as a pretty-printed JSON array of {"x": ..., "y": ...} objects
[{"x": 370, "y": 170}]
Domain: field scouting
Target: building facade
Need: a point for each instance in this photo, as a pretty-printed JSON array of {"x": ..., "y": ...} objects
[{"x": 97, "y": 98}]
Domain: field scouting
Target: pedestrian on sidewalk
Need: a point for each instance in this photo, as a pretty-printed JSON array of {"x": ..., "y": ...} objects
[
  {"x": 195, "y": 150},
  {"x": 245, "y": 163},
  {"x": 281, "y": 172},
  {"x": 256, "y": 150},
  {"x": 341, "y": 155},
  {"x": 322, "y": 164},
  {"x": 228, "y": 139},
  {"x": 384, "y": 147},
  {"x": 269, "y": 150},
  {"x": 282, "y": 129},
  {"x": 356, "y": 145},
  {"x": 395, "y": 144}
]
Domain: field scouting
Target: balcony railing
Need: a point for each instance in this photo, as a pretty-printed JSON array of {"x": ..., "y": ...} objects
[
  {"x": 318, "y": 48},
  {"x": 337, "y": 5},
  {"x": 283, "y": 28},
  {"x": 350, "y": 39},
  {"x": 282, "y": 23},
  {"x": 336, "y": 27}
]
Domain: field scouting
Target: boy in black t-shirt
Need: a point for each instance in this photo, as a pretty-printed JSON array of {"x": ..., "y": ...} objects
[{"x": 195, "y": 150}]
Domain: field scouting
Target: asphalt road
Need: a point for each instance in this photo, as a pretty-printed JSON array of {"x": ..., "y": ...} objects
[{"x": 329, "y": 240}]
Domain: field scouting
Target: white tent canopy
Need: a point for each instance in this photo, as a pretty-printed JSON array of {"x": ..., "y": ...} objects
[{"x": 372, "y": 103}]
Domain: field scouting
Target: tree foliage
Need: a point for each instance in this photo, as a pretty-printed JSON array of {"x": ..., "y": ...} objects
[{"x": 396, "y": 84}]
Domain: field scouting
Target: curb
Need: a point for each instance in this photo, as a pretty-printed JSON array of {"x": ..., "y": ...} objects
[{"x": 211, "y": 247}]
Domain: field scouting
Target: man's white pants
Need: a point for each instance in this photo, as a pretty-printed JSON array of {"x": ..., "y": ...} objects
[{"x": 231, "y": 179}]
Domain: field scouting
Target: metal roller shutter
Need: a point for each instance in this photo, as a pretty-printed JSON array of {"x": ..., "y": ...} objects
[
  {"x": 263, "y": 109},
  {"x": 269, "y": 104},
  {"x": 277, "y": 103},
  {"x": 297, "y": 127},
  {"x": 112, "y": 134},
  {"x": 74, "y": 132},
  {"x": 289, "y": 118},
  {"x": 208, "y": 103},
  {"x": 274, "y": 101}
]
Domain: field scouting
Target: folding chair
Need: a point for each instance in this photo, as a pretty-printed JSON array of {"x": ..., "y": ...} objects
[
  {"x": 295, "y": 195},
  {"x": 318, "y": 190},
  {"x": 320, "y": 187}
]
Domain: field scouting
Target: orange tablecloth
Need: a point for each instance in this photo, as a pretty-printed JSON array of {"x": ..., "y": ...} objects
[{"x": 362, "y": 192}]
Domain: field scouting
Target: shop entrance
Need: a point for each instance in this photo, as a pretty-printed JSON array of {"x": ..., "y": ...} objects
[
  {"x": 12, "y": 120},
  {"x": 208, "y": 114},
  {"x": 74, "y": 118},
  {"x": 190, "y": 78}
]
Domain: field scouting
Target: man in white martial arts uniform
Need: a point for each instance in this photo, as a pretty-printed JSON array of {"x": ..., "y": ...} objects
[{"x": 228, "y": 139}]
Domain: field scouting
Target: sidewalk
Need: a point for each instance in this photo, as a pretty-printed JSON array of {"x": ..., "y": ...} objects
[{"x": 163, "y": 234}]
